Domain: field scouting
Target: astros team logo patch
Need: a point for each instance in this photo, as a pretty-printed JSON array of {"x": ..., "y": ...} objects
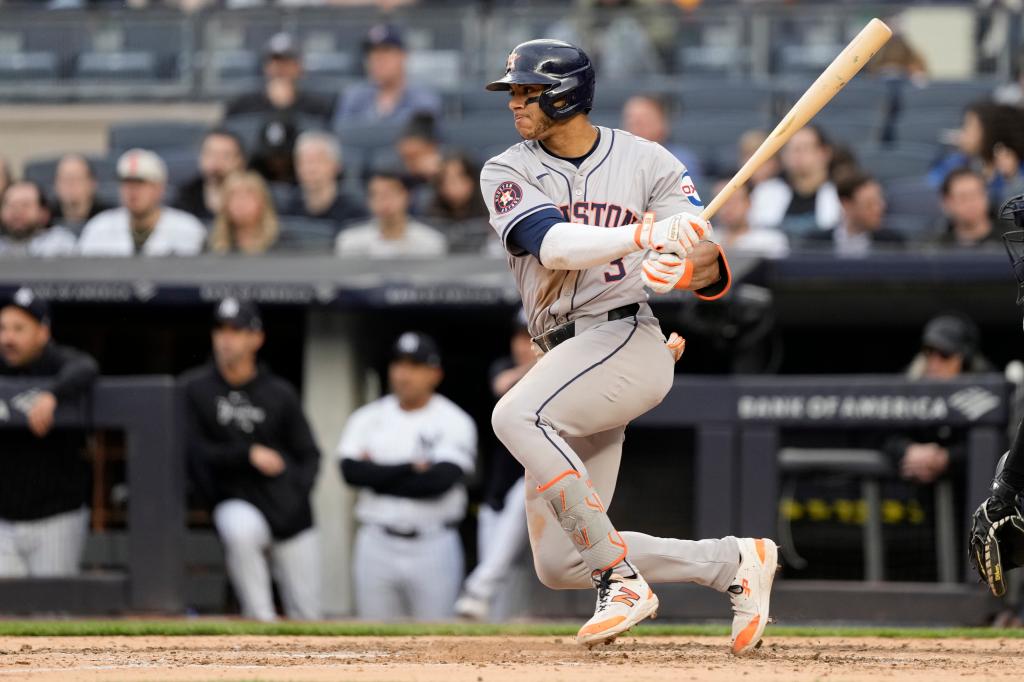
[
  {"x": 507, "y": 196},
  {"x": 690, "y": 190}
]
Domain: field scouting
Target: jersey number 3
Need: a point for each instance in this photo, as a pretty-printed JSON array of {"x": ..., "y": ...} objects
[{"x": 619, "y": 271}]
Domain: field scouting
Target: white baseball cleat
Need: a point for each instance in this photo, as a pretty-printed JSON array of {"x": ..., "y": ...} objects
[
  {"x": 621, "y": 604},
  {"x": 751, "y": 591},
  {"x": 472, "y": 607}
]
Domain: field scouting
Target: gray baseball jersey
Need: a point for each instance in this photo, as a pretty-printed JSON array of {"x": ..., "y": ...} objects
[{"x": 624, "y": 177}]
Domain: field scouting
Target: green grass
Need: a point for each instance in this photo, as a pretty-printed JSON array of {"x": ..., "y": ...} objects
[{"x": 203, "y": 627}]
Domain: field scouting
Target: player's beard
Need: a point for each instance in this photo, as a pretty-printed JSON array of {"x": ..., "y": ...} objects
[{"x": 541, "y": 127}]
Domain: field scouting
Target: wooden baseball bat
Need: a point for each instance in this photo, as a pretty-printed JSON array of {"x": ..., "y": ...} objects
[{"x": 833, "y": 79}]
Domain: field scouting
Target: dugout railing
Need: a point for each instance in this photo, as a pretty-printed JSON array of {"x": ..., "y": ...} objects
[{"x": 146, "y": 411}]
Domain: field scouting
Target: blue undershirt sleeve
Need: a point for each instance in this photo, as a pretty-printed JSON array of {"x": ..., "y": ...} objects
[{"x": 527, "y": 235}]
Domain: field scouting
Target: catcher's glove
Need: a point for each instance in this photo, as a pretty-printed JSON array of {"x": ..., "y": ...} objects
[{"x": 997, "y": 542}]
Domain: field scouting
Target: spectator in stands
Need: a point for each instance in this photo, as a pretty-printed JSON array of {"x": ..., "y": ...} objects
[
  {"x": 501, "y": 525},
  {"x": 142, "y": 225},
  {"x": 419, "y": 149},
  {"x": 968, "y": 216},
  {"x": 253, "y": 458},
  {"x": 950, "y": 347},
  {"x": 44, "y": 489},
  {"x": 803, "y": 199},
  {"x": 281, "y": 93},
  {"x": 25, "y": 224},
  {"x": 385, "y": 97},
  {"x": 456, "y": 195},
  {"x": 318, "y": 166},
  {"x": 75, "y": 187},
  {"x": 646, "y": 116},
  {"x": 991, "y": 141},
  {"x": 861, "y": 230},
  {"x": 247, "y": 222},
  {"x": 748, "y": 144},
  {"x": 221, "y": 154},
  {"x": 732, "y": 224},
  {"x": 391, "y": 231},
  {"x": 407, "y": 454}
]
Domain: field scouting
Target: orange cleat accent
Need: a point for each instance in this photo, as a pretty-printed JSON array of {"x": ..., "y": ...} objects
[
  {"x": 743, "y": 640},
  {"x": 603, "y": 626}
]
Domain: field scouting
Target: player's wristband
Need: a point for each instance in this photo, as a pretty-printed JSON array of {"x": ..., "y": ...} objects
[
  {"x": 717, "y": 290},
  {"x": 642, "y": 236}
]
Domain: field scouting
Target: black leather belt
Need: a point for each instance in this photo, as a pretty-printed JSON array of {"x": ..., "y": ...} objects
[
  {"x": 553, "y": 337},
  {"x": 410, "y": 534}
]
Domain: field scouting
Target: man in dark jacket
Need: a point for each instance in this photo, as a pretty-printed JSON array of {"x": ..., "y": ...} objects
[
  {"x": 44, "y": 487},
  {"x": 281, "y": 93},
  {"x": 251, "y": 453}
]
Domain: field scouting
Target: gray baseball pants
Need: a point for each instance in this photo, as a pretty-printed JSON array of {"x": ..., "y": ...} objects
[{"x": 570, "y": 413}]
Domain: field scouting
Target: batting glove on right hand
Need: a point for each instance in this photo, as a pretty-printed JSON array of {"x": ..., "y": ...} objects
[
  {"x": 676, "y": 234},
  {"x": 665, "y": 272}
]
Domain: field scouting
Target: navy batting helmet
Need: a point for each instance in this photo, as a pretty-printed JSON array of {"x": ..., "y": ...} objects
[{"x": 565, "y": 70}]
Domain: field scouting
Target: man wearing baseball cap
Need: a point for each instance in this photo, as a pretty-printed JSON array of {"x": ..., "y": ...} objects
[
  {"x": 408, "y": 453},
  {"x": 44, "y": 487},
  {"x": 142, "y": 225},
  {"x": 252, "y": 458},
  {"x": 281, "y": 92},
  {"x": 385, "y": 97},
  {"x": 949, "y": 349}
]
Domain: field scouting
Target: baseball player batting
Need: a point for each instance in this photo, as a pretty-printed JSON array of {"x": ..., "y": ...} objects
[{"x": 577, "y": 207}]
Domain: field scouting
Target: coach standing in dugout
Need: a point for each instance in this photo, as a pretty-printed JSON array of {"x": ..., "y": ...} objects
[
  {"x": 408, "y": 453},
  {"x": 252, "y": 456},
  {"x": 44, "y": 488}
]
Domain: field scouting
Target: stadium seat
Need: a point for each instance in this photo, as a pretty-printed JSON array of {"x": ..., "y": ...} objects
[
  {"x": 306, "y": 235},
  {"x": 22, "y": 66},
  {"x": 116, "y": 66},
  {"x": 806, "y": 59},
  {"x": 913, "y": 196},
  {"x": 710, "y": 97},
  {"x": 928, "y": 127},
  {"x": 155, "y": 135},
  {"x": 435, "y": 68},
  {"x": 946, "y": 95},
  {"x": 329, "y": 65},
  {"x": 715, "y": 129},
  {"x": 236, "y": 65},
  {"x": 477, "y": 100},
  {"x": 887, "y": 163},
  {"x": 368, "y": 135},
  {"x": 182, "y": 165},
  {"x": 474, "y": 133}
]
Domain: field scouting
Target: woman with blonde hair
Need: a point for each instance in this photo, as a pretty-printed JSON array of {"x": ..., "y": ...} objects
[{"x": 246, "y": 222}]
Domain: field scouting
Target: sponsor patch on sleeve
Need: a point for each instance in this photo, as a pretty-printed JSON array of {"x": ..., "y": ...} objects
[
  {"x": 690, "y": 190},
  {"x": 507, "y": 196}
]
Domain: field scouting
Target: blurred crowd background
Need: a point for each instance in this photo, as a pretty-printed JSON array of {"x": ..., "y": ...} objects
[{"x": 238, "y": 133}]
